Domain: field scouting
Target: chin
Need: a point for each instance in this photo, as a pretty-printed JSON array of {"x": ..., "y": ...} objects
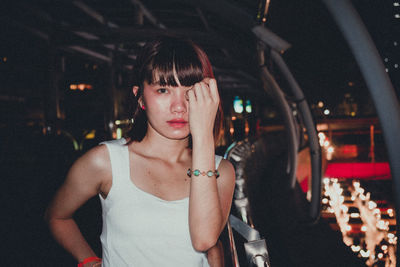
[{"x": 177, "y": 135}]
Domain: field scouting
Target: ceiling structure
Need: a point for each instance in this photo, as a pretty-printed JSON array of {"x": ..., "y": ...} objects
[{"x": 114, "y": 31}]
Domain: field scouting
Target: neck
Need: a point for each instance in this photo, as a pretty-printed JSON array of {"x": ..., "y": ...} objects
[{"x": 158, "y": 146}]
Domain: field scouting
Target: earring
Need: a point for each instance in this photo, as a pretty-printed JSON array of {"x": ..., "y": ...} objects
[{"x": 143, "y": 107}]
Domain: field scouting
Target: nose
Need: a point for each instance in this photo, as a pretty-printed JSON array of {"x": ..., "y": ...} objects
[{"x": 179, "y": 103}]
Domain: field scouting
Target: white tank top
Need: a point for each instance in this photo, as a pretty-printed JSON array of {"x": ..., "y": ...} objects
[{"x": 140, "y": 229}]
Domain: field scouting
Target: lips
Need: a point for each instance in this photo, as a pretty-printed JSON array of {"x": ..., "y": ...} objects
[{"x": 177, "y": 123}]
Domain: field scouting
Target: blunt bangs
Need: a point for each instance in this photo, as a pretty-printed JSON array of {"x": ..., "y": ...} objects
[{"x": 175, "y": 62}]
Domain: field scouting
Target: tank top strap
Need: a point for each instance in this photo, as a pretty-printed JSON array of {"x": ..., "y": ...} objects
[
  {"x": 217, "y": 161},
  {"x": 119, "y": 157}
]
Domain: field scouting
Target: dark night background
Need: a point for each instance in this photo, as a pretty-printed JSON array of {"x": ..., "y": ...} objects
[{"x": 319, "y": 59}]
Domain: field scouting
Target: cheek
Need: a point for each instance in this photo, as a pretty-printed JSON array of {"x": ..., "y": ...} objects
[{"x": 155, "y": 105}]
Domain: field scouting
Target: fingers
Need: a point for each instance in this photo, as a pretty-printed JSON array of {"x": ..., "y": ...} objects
[
  {"x": 214, "y": 89},
  {"x": 204, "y": 90}
]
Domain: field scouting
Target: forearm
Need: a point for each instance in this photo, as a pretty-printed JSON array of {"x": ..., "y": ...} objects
[
  {"x": 68, "y": 235},
  {"x": 215, "y": 255},
  {"x": 205, "y": 215}
]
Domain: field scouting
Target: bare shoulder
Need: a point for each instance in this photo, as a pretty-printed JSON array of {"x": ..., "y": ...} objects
[
  {"x": 92, "y": 168},
  {"x": 227, "y": 171},
  {"x": 84, "y": 180},
  {"x": 97, "y": 157}
]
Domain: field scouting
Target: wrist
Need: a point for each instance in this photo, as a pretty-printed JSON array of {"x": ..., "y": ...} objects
[{"x": 202, "y": 140}]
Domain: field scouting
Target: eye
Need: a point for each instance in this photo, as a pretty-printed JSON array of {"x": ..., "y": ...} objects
[{"x": 162, "y": 90}]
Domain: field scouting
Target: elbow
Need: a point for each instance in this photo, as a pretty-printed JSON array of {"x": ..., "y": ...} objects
[{"x": 202, "y": 244}]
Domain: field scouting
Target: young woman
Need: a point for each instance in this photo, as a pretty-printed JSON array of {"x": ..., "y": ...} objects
[{"x": 165, "y": 196}]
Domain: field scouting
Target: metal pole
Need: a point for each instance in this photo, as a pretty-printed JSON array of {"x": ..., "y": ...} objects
[
  {"x": 379, "y": 85},
  {"x": 315, "y": 149}
]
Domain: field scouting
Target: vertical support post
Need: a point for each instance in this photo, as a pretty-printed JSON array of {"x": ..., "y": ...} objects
[
  {"x": 51, "y": 93},
  {"x": 109, "y": 117},
  {"x": 372, "y": 142}
]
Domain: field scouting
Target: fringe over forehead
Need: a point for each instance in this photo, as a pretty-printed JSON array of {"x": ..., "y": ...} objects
[{"x": 170, "y": 62}]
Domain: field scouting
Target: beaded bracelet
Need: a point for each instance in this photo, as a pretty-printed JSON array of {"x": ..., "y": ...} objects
[{"x": 203, "y": 173}]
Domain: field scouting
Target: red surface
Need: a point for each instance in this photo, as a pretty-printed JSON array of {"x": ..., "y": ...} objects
[
  {"x": 304, "y": 184},
  {"x": 359, "y": 170}
]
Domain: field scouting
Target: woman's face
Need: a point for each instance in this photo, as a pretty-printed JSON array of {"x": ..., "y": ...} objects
[{"x": 167, "y": 110}]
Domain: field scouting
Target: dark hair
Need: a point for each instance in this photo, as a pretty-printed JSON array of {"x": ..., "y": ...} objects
[{"x": 159, "y": 61}]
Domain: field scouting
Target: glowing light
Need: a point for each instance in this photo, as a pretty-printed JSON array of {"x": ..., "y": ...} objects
[
  {"x": 348, "y": 228},
  {"x": 397, "y": 16},
  {"x": 91, "y": 135},
  {"x": 384, "y": 247},
  {"x": 119, "y": 133},
  {"x": 352, "y": 113},
  {"x": 390, "y": 212},
  {"x": 380, "y": 255},
  {"x": 354, "y": 215},
  {"x": 231, "y": 130},
  {"x": 371, "y": 205},
  {"x": 4, "y": 59},
  {"x": 73, "y": 87},
  {"x": 233, "y": 118},
  {"x": 320, "y": 104},
  {"x": 331, "y": 149},
  {"x": 364, "y": 228},
  {"x": 376, "y": 211},
  {"x": 117, "y": 122},
  {"x": 327, "y": 112},
  {"x": 364, "y": 254},
  {"x": 360, "y": 190},
  {"x": 246, "y": 128},
  {"x": 355, "y": 248},
  {"x": 81, "y": 86},
  {"x": 325, "y": 201},
  {"x": 326, "y": 180},
  {"x": 238, "y": 105},
  {"x": 383, "y": 225},
  {"x": 326, "y": 143},
  {"x": 396, "y": 4},
  {"x": 249, "y": 108}
]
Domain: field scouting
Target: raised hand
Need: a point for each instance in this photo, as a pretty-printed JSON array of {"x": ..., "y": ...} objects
[{"x": 203, "y": 106}]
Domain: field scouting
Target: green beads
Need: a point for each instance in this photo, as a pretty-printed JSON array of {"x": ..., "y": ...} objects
[{"x": 203, "y": 173}]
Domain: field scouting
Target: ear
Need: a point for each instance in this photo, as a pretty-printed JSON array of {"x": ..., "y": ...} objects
[{"x": 135, "y": 90}]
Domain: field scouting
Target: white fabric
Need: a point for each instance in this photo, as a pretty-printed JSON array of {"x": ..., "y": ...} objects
[{"x": 140, "y": 229}]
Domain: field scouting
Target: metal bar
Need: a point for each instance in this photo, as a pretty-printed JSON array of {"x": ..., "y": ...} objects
[
  {"x": 94, "y": 14},
  {"x": 379, "y": 85},
  {"x": 148, "y": 14},
  {"x": 91, "y": 53},
  {"x": 232, "y": 246},
  {"x": 315, "y": 149},
  {"x": 271, "y": 39},
  {"x": 272, "y": 88}
]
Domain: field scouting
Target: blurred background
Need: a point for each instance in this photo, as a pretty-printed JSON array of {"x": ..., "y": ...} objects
[{"x": 65, "y": 85}]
